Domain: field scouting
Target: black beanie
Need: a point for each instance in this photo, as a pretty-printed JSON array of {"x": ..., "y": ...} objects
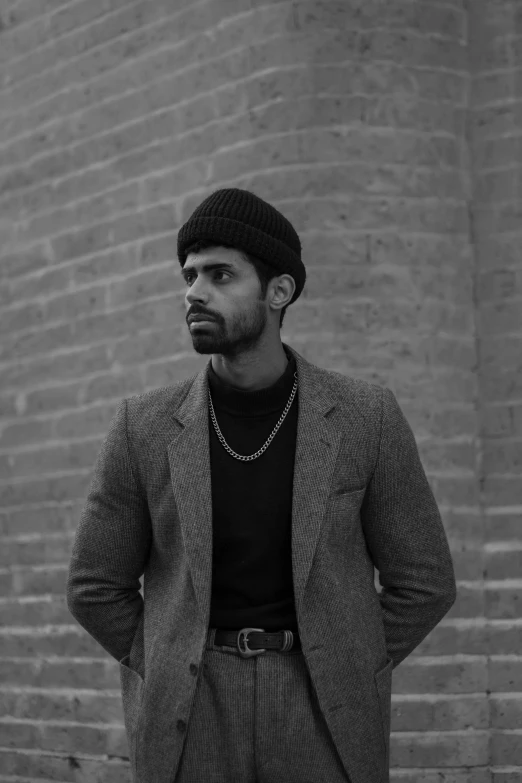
[{"x": 242, "y": 220}]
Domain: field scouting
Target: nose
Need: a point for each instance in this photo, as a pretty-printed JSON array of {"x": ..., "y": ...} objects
[{"x": 196, "y": 293}]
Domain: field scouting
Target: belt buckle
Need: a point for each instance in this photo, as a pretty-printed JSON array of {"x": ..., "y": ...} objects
[{"x": 242, "y": 635}]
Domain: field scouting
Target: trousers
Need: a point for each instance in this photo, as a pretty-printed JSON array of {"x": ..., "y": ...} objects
[{"x": 256, "y": 720}]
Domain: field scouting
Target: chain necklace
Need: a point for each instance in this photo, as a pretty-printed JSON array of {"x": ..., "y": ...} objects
[{"x": 270, "y": 437}]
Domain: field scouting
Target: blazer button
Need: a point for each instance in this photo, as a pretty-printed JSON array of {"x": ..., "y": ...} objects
[
  {"x": 181, "y": 725},
  {"x": 193, "y": 668}
]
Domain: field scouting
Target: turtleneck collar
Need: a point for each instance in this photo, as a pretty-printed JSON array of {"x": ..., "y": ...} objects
[{"x": 253, "y": 403}]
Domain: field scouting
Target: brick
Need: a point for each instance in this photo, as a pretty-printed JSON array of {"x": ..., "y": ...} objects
[
  {"x": 506, "y": 711},
  {"x": 84, "y": 213},
  {"x": 440, "y": 714},
  {"x": 470, "y": 602},
  {"x": 402, "y": 15},
  {"x": 496, "y": 319},
  {"x": 102, "y": 74},
  {"x": 448, "y": 639},
  {"x": 500, "y": 352},
  {"x": 496, "y": 153},
  {"x": 102, "y": 235},
  {"x": 375, "y": 281},
  {"x": 385, "y": 44},
  {"x": 502, "y": 18},
  {"x": 26, "y": 260},
  {"x": 506, "y": 745},
  {"x": 467, "y": 563},
  {"x": 370, "y": 317},
  {"x": 495, "y": 185},
  {"x": 444, "y": 456},
  {"x": 82, "y": 673},
  {"x": 452, "y": 675},
  {"x": 51, "y": 610},
  {"x": 30, "y": 580},
  {"x": 20, "y": 40},
  {"x": 463, "y": 526},
  {"x": 149, "y": 347},
  {"x": 440, "y": 749},
  {"x": 55, "y": 518},
  {"x": 503, "y": 602},
  {"x": 65, "y": 47},
  {"x": 65, "y": 766},
  {"x": 489, "y": 53},
  {"x": 500, "y": 775},
  {"x": 501, "y": 526},
  {"x": 502, "y": 457},
  {"x": 498, "y": 420},
  {"x": 505, "y": 672},
  {"x": 491, "y": 88},
  {"x": 46, "y": 282},
  {"x": 447, "y": 422},
  {"x": 54, "y": 548},
  {"x": 160, "y": 374},
  {"x": 502, "y": 491},
  {"x": 293, "y": 114},
  {"x": 29, "y": 10},
  {"x": 113, "y": 386},
  {"x": 50, "y": 642},
  {"x": 46, "y": 704},
  {"x": 493, "y": 121},
  {"x": 504, "y": 564},
  {"x": 349, "y": 177},
  {"x": 68, "y": 738},
  {"x": 516, "y": 411},
  {"x": 471, "y": 775},
  {"x": 456, "y": 491},
  {"x": 505, "y": 637}
]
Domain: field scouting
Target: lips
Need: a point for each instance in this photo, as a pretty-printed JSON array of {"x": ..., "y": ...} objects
[{"x": 197, "y": 318}]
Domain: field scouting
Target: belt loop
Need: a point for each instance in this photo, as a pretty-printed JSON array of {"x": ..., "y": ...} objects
[{"x": 211, "y": 636}]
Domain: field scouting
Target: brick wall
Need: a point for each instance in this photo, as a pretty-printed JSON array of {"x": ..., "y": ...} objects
[
  {"x": 495, "y": 124},
  {"x": 387, "y": 133}
]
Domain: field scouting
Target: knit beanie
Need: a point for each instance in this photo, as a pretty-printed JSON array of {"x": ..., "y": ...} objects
[{"x": 240, "y": 219}]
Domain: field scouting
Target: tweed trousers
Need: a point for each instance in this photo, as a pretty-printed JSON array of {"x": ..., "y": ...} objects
[{"x": 257, "y": 720}]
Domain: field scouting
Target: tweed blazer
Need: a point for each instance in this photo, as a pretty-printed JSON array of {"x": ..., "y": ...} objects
[{"x": 360, "y": 500}]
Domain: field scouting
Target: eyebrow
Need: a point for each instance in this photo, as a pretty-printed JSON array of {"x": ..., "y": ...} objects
[{"x": 207, "y": 268}]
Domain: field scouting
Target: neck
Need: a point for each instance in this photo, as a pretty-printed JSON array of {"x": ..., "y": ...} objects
[{"x": 251, "y": 372}]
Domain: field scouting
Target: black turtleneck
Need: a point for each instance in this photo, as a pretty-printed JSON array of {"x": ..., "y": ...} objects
[{"x": 252, "y": 505}]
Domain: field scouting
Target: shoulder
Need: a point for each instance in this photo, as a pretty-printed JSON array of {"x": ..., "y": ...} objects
[
  {"x": 157, "y": 401},
  {"x": 347, "y": 390}
]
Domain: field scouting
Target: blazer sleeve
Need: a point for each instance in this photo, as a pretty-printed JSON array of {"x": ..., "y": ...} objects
[
  {"x": 406, "y": 538},
  {"x": 111, "y": 547}
]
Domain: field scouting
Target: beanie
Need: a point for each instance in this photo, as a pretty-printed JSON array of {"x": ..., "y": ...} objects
[{"x": 240, "y": 219}]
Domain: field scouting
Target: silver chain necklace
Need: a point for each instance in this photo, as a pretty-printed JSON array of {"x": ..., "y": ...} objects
[{"x": 270, "y": 437}]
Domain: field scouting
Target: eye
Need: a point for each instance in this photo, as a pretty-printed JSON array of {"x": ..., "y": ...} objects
[{"x": 189, "y": 275}]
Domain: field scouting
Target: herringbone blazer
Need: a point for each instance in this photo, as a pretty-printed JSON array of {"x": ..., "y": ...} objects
[{"x": 360, "y": 499}]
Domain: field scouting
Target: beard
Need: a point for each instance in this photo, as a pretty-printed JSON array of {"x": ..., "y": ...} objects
[{"x": 242, "y": 334}]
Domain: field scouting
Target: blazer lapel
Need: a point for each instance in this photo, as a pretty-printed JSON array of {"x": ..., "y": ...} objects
[
  {"x": 189, "y": 460},
  {"x": 317, "y": 446}
]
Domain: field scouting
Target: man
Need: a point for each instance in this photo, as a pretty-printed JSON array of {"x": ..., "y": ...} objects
[{"x": 256, "y": 498}]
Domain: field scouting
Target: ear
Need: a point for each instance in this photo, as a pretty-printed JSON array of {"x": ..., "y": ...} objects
[{"x": 282, "y": 291}]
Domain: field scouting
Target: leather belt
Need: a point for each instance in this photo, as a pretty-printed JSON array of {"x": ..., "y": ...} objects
[{"x": 254, "y": 641}]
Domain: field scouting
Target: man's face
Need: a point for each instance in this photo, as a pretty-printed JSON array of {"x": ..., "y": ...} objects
[{"x": 224, "y": 287}]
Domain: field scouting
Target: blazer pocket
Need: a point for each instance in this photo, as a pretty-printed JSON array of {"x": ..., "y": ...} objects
[
  {"x": 132, "y": 686},
  {"x": 383, "y": 683},
  {"x": 351, "y": 500}
]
